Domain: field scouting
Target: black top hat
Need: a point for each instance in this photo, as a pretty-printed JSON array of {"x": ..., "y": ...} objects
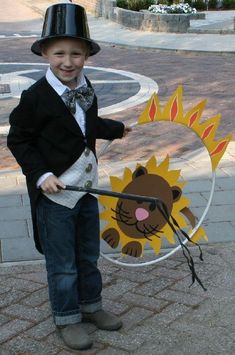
[{"x": 65, "y": 20}]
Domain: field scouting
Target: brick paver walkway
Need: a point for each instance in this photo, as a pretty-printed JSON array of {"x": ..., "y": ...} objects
[
  {"x": 161, "y": 314},
  {"x": 203, "y": 76}
]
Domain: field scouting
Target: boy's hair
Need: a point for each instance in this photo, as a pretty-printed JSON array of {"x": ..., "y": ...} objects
[{"x": 46, "y": 44}]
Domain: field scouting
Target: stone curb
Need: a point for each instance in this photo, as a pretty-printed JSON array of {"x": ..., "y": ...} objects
[{"x": 211, "y": 31}]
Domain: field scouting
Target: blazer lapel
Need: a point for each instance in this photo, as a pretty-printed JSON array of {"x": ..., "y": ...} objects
[
  {"x": 91, "y": 113},
  {"x": 58, "y": 107}
]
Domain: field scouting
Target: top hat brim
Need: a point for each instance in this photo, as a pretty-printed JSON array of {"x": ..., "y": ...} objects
[{"x": 36, "y": 47}]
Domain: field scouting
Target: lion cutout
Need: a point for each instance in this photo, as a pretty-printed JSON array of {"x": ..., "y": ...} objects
[{"x": 133, "y": 224}]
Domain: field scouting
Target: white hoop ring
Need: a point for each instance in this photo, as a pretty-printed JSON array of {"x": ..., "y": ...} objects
[{"x": 174, "y": 250}]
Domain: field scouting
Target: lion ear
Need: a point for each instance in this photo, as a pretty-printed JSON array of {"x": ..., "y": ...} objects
[
  {"x": 176, "y": 193},
  {"x": 139, "y": 171}
]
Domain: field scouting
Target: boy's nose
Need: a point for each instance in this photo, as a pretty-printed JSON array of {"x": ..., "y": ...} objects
[{"x": 67, "y": 61}]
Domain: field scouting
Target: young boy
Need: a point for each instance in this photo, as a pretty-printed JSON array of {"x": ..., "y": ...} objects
[{"x": 52, "y": 136}]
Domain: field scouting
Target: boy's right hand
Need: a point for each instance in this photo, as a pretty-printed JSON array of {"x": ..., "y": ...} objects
[{"x": 50, "y": 185}]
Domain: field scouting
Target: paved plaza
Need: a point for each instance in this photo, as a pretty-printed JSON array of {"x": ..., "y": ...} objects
[{"x": 161, "y": 313}]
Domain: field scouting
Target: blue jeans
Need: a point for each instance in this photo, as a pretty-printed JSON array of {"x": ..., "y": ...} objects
[{"x": 70, "y": 242}]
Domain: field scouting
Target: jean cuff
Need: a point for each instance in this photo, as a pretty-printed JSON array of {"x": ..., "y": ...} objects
[
  {"x": 91, "y": 307},
  {"x": 68, "y": 319}
]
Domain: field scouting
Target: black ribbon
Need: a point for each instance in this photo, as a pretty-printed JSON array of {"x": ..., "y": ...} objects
[{"x": 163, "y": 210}]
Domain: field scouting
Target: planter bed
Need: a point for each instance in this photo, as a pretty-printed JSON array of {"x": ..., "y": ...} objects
[{"x": 147, "y": 21}]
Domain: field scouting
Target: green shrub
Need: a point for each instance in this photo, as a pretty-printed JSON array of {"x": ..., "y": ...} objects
[
  {"x": 165, "y": 2},
  {"x": 228, "y": 4},
  {"x": 135, "y": 5},
  {"x": 122, "y": 4},
  {"x": 212, "y": 4},
  {"x": 190, "y": 2},
  {"x": 199, "y": 5}
]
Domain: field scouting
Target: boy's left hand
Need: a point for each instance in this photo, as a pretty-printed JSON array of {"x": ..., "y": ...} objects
[{"x": 127, "y": 129}]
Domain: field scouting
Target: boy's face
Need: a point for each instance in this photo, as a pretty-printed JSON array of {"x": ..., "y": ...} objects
[{"x": 66, "y": 57}]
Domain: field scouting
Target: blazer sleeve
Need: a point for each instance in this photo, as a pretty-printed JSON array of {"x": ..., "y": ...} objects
[
  {"x": 22, "y": 138},
  {"x": 109, "y": 129}
]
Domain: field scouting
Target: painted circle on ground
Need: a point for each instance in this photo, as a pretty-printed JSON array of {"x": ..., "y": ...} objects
[{"x": 117, "y": 90}]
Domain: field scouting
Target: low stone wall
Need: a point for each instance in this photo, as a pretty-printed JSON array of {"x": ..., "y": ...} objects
[{"x": 147, "y": 21}]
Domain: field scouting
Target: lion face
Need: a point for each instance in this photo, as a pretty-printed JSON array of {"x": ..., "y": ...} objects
[{"x": 143, "y": 219}]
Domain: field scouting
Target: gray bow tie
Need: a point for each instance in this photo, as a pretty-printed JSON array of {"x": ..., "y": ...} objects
[{"x": 84, "y": 95}]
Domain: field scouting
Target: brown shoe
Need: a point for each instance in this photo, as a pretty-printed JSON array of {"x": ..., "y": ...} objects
[
  {"x": 103, "y": 320},
  {"x": 75, "y": 336}
]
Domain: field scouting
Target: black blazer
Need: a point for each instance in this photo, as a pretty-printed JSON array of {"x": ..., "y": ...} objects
[{"x": 44, "y": 136}]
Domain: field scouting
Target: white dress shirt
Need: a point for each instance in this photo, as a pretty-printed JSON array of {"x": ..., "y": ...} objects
[{"x": 61, "y": 88}]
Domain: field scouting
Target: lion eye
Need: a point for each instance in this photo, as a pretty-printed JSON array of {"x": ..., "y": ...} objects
[
  {"x": 152, "y": 206},
  {"x": 139, "y": 202}
]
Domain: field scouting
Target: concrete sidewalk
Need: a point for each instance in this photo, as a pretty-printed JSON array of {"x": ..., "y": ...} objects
[{"x": 201, "y": 41}]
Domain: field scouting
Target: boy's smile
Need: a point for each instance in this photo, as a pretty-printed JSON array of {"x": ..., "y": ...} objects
[{"x": 66, "y": 57}]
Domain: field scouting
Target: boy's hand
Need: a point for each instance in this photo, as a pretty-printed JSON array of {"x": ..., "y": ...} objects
[
  {"x": 127, "y": 129},
  {"x": 50, "y": 185}
]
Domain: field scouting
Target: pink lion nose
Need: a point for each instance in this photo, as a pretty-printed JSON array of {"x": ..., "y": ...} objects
[{"x": 141, "y": 214}]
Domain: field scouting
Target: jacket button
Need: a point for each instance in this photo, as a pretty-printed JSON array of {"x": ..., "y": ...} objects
[
  {"x": 88, "y": 168},
  {"x": 87, "y": 151},
  {"x": 88, "y": 184}
]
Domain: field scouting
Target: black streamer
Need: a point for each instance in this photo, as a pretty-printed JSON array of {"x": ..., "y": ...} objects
[
  {"x": 185, "y": 249},
  {"x": 163, "y": 210}
]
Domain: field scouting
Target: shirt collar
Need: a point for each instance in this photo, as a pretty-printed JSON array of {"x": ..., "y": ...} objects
[{"x": 57, "y": 84}]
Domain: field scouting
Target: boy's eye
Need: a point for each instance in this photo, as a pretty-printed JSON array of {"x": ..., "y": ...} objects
[{"x": 73, "y": 54}]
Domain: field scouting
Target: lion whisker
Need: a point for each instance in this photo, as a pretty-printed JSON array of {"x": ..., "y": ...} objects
[
  {"x": 151, "y": 231},
  {"x": 121, "y": 209},
  {"x": 126, "y": 222},
  {"x": 119, "y": 220},
  {"x": 155, "y": 229},
  {"x": 142, "y": 231},
  {"x": 148, "y": 238},
  {"x": 120, "y": 214}
]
